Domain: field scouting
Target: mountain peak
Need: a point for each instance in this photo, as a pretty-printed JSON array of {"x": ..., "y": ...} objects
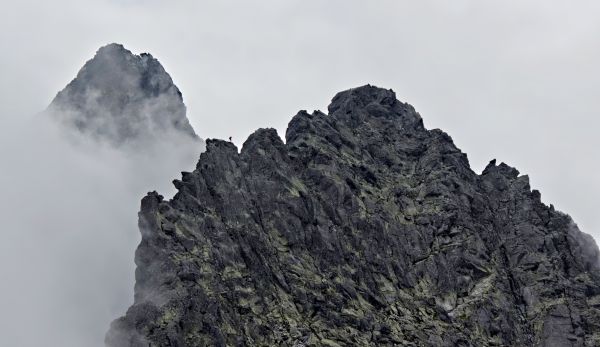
[
  {"x": 358, "y": 104},
  {"x": 113, "y": 48},
  {"x": 364, "y": 228},
  {"x": 361, "y": 97},
  {"x": 121, "y": 97}
]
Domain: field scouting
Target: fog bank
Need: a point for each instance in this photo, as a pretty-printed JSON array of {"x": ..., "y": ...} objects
[{"x": 70, "y": 229}]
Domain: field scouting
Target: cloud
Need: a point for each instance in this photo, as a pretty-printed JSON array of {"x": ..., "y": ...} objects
[{"x": 70, "y": 229}]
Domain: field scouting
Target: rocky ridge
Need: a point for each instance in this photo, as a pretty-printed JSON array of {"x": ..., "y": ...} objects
[{"x": 363, "y": 228}]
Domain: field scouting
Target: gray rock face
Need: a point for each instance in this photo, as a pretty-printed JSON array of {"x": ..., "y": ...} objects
[
  {"x": 363, "y": 228},
  {"x": 122, "y": 98}
]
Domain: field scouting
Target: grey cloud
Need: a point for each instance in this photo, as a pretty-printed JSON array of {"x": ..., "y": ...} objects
[{"x": 70, "y": 230}]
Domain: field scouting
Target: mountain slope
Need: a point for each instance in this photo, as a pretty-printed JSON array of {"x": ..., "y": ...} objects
[
  {"x": 122, "y": 98},
  {"x": 363, "y": 228}
]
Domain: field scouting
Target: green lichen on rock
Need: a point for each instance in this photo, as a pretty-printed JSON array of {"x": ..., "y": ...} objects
[{"x": 362, "y": 229}]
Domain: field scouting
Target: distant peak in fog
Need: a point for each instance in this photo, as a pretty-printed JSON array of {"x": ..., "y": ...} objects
[{"x": 120, "y": 97}]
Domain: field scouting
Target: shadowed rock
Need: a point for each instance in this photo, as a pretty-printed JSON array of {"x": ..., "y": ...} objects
[{"x": 363, "y": 228}]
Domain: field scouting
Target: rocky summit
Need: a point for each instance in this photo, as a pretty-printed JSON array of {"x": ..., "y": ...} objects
[
  {"x": 121, "y": 98},
  {"x": 363, "y": 228}
]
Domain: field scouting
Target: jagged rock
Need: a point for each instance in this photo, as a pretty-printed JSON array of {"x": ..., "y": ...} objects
[
  {"x": 122, "y": 98},
  {"x": 363, "y": 228}
]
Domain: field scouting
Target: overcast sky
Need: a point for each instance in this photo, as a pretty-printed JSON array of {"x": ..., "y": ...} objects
[{"x": 518, "y": 81}]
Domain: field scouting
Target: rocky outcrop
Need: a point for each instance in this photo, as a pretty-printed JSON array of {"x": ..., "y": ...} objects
[
  {"x": 123, "y": 99},
  {"x": 363, "y": 228}
]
